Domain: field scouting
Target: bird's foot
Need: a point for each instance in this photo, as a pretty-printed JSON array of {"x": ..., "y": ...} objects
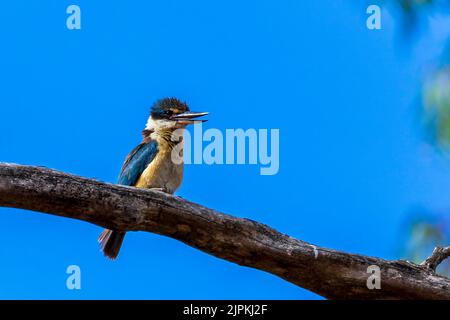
[{"x": 160, "y": 189}]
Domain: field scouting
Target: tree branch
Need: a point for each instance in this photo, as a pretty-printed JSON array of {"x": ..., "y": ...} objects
[
  {"x": 329, "y": 273},
  {"x": 439, "y": 254}
]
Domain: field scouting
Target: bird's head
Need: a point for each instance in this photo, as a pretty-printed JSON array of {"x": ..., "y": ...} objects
[{"x": 171, "y": 114}]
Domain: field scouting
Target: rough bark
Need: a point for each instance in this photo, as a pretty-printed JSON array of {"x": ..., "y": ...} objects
[
  {"x": 439, "y": 254},
  {"x": 329, "y": 273}
]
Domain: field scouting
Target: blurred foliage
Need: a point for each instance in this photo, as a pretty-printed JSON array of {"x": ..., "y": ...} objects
[
  {"x": 413, "y": 11},
  {"x": 426, "y": 230},
  {"x": 435, "y": 113},
  {"x": 436, "y": 109}
]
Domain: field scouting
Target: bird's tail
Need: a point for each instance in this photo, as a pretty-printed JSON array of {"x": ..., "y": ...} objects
[{"x": 110, "y": 242}]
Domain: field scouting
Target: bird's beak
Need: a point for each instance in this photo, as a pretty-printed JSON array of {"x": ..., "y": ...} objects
[{"x": 189, "y": 117}]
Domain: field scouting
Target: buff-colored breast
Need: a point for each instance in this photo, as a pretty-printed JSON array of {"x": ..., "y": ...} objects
[{"x": 162, "y": 172}]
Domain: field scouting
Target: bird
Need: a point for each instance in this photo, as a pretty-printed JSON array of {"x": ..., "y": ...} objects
[{"x": 151, "y": 164}]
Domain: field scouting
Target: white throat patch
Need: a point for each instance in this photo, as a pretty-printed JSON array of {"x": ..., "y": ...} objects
[
  {"x": 159, "y": 124},
  {"x": 163, "y": 128}
]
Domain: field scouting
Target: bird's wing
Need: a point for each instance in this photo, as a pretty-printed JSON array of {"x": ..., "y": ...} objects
[{"x": 137, "y": 161}]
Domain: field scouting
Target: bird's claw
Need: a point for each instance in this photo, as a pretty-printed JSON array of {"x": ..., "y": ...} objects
[{"x": 160, "y": 189}]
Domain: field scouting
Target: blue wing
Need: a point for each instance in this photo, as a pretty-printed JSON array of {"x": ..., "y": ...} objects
[{"x": 137, "y": 161}]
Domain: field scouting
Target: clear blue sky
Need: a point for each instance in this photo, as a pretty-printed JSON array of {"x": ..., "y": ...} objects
[{"x": 352, "y": 162}]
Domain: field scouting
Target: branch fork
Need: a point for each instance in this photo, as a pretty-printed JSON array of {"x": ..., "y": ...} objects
[{"x": 437, "y": 257}]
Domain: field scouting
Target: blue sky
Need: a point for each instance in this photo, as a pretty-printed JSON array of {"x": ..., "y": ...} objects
[{"x": 352, "y": 160}]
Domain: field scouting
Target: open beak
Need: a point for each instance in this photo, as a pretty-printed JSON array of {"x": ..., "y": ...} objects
[{"x": 189, "y": 117}]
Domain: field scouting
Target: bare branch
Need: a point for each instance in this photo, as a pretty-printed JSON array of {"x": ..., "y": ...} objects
[
  {"x": 439, "y": 254},
  {"x": 330, "y": 273}
]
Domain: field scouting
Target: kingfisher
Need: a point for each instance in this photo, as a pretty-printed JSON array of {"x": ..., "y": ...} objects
[{"x": 151, "y": 164}]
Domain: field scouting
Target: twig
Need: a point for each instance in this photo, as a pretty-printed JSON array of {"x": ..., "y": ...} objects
[{"x": 439, "y": 254}]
